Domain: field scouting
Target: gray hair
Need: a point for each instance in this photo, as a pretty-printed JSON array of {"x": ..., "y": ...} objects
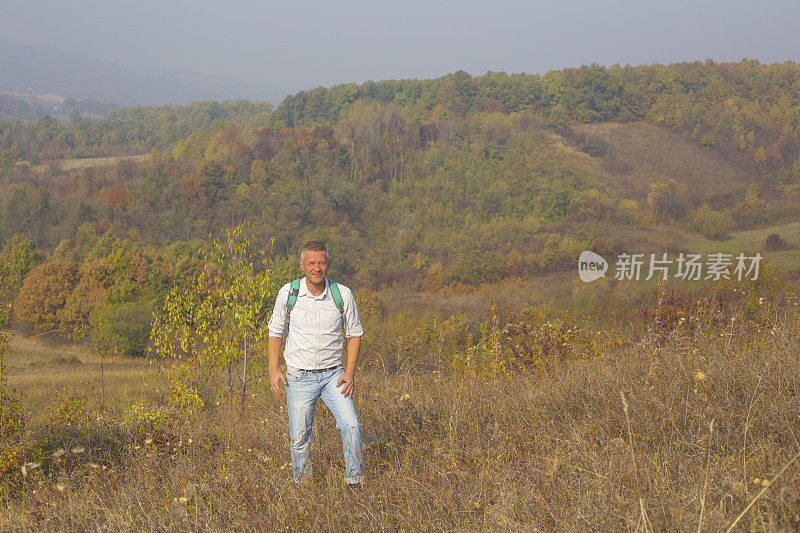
[{"x": 314, "y": 246}]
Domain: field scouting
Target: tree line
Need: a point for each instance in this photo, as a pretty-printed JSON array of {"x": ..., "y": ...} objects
[{"x": 747, "y": 110}]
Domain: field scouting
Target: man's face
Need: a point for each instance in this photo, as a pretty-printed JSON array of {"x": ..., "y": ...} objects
[{"x": 315, "y": 265}]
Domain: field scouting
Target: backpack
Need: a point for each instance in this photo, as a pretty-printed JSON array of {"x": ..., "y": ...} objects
[{"x": 295, "y": 290}]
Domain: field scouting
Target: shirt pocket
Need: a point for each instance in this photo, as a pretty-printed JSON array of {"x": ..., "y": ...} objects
[
  {"x": 333, "y": 320},
  {"x": 298, "y": 317}
]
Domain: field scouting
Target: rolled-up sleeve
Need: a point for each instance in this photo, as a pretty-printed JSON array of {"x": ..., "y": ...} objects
[
  {"x": 277, "y": 324},
  {"x": 352, "y": 322}
]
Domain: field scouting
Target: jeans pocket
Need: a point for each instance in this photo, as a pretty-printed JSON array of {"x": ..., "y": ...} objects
[{"x": 293, "y": 375}]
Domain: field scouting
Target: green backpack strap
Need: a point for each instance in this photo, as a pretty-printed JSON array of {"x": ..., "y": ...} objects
[
  {"x": 294, "y": 290},
  {"x": 337, "y": 299},
  {"x": 337, "y": 296}
]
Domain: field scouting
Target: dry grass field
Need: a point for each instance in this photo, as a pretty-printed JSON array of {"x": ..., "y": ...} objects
[
  {"x": 41, "y": 371},
  {"x": 680, "y": 414}
]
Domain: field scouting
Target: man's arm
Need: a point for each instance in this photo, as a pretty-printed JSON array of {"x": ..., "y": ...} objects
[
  {"x": 277, "y": 326},
  {"x": 275, "y": 375},
  {"x": 353, "y": 348},
  {"x": 355, "y": 331}
]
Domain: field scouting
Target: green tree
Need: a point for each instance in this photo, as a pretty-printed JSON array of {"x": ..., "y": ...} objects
[
  {"x": 123, "y": 328},
  {"x": 219, "y": 320},
  {"x": 18, "y": 256},
  {"x": 665, "y": 202},
  {"x": 761, "y": 156}
]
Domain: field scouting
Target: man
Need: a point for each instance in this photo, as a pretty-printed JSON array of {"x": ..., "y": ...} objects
[{"x": 313, "y": 354}]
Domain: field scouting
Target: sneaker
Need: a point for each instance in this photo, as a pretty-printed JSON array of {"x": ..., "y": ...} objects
[{"x": 355, "y": 487}]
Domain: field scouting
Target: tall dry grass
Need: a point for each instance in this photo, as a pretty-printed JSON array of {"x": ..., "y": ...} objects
[{"x": 681, "y": 426}]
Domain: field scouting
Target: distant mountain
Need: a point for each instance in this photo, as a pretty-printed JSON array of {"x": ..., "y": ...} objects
[
  {"x": 29, "y": 106},
  {"x": 36, "y": 70}
]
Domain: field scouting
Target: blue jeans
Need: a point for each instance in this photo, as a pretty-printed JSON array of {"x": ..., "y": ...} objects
[{"x": 302, "y": 390}]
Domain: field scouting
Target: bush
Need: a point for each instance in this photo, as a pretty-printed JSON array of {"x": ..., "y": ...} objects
[
  {"x": 124, "y": 326},
  {"x": 597, "y": 146},
  {"x": 774, "y": 243},
  {"x": 628, "y": 210},
  {"x": 715, "y": 225},
  {"x": 476, "y": 267},
  {"x": 12, "y": 422}
]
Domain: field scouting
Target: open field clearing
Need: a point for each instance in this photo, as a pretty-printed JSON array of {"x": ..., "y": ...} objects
[
  {"x": 79, "y": 163},
  {"x": 754, "y": 238},
  {"x": 752, "y": 241},
  {"x": 41, "y": 372}
]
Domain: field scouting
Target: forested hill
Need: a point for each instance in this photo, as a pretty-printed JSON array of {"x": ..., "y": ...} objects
[
  {"x": 738, "y": 108},
  {"x": 748, "y": 111},
  {"x": 454, "y": 182}
]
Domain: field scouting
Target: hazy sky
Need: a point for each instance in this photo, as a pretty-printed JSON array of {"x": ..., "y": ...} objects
[{"x": 296, "y": 44}]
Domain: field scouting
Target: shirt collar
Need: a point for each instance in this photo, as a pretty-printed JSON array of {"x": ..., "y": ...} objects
[{"x": 305, "y": 292}]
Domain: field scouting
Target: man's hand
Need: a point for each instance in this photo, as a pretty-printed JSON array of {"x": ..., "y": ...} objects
[
  {"x": 349, "y": 381},
  {"x": 275, "y": 378},
  {"x": 348, "y": 378}
]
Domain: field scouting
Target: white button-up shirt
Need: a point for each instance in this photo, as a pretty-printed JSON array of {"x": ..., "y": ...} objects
[{"x": 315, "y": 326}]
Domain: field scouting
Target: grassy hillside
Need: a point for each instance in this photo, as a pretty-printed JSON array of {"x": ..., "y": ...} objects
[
  {"x": 676, "y": 417},
  {"x": 639, "y": 154}
]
